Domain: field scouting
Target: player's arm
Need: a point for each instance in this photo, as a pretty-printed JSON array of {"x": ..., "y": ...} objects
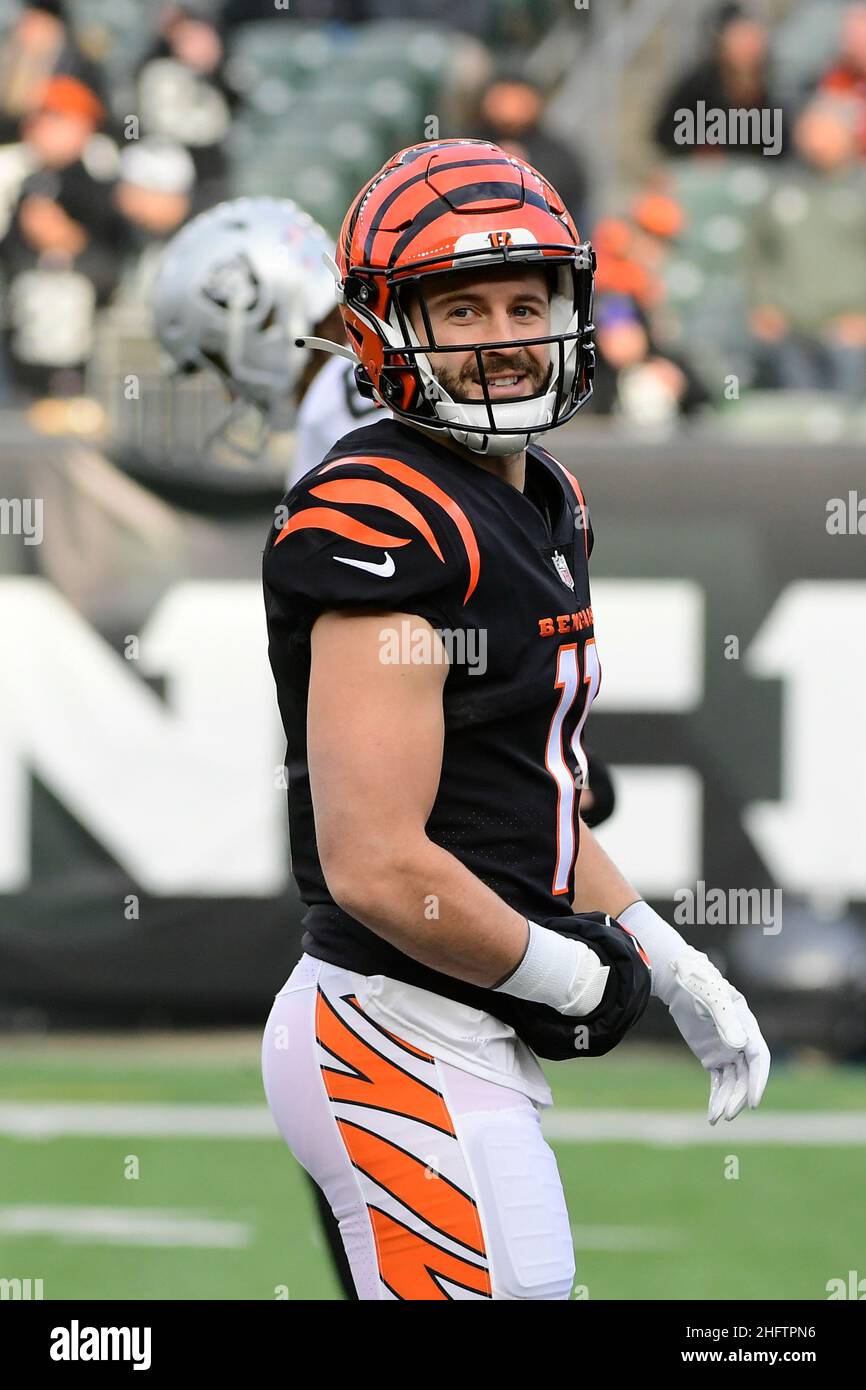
[
  {"x": 598, "y": 883},
  {"x": 375, "y": 735},
  {"x": 374, "y": 747},
  {"x": 712, "y": 1016}
]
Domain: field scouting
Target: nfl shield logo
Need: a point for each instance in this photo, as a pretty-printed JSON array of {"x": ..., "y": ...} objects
[{"x": 562, "y": 569}]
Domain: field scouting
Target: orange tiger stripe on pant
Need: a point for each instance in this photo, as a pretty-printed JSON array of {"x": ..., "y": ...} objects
[
  {"x": 409, "y": 1264},
  {"x": 430, "y": 1195},
  {"x": 378, "y": 1082}
]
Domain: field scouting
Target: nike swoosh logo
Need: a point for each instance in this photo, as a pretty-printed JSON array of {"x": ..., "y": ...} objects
[{"x": 384, "y": 568}]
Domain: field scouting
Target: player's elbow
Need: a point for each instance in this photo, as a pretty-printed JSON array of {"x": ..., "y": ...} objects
[{"x": 368, "y": 874}]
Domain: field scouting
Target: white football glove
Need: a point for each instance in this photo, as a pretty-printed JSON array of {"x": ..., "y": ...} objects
[
  {"x": 722, "y": 1032},
  {"x": 712, "y": 1016}
]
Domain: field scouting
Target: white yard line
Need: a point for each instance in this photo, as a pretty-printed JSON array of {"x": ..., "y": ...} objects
[
  {"x": 40, "y": 1120},
  {"x": 167, "y": 1227},
  {"x": 682, "y": 1127},
  {"x": 124, "y": 1226},
  {"x": 618, "y": 1238},
  {"x": 37, "y": 1120}
]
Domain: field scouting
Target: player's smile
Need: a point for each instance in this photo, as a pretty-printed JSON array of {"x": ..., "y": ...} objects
[
  {"x": 508, "y": 384},
  {"x": 523, "y": 375},
  {"x": 503, "y": 385}
]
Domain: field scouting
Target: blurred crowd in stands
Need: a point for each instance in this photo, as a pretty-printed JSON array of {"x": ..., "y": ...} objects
[{"x": 728, "y": 263}]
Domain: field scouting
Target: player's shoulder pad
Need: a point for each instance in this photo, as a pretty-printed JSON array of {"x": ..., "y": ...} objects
[{"x": 370, "y": 529}]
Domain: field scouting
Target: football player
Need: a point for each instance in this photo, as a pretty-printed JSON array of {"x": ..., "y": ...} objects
[
  {"x": 432, "y": 639},
  {"x": 236, "y": 288}
]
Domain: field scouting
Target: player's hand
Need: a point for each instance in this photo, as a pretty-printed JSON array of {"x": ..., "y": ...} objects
[
  {"x": 722, "y": 1032},
  {"x": 593, "y": 968}
]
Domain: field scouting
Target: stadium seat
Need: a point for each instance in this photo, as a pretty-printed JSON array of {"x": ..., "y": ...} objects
[
  {"x": 295, "y": 54},
  {"x": 412, "y": 50}
]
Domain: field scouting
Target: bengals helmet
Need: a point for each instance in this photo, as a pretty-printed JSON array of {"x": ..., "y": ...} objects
[{"x": 450, "y": 205}]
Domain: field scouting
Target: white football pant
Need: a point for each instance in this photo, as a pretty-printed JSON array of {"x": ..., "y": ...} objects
[{"x": 441, "y": 1181}]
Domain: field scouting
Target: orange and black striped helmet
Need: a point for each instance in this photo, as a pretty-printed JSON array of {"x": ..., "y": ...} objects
[{"x": 450, "y": 205}]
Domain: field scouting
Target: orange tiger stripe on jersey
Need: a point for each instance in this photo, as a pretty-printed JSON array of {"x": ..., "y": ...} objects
[
  {"x": 378, "y": 495},
  {"x": 575, "y": 487},
  {"x": 326, "y": 519},
  {"x": 437, "y": 1201},
  {"x": 408, "y": 1264},
  {"x": 379, "y": 1082},
  {"x": 412, "y": 477}
]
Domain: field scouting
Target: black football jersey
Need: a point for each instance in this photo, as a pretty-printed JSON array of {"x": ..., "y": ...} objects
[{"x": 396, "y": 520}]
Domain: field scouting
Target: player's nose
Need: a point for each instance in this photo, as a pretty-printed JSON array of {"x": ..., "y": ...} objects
[{"x": 502, "y": 329}]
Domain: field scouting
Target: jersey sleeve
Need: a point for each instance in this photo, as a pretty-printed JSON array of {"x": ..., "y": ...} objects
[{"x": 368, "y": 535}]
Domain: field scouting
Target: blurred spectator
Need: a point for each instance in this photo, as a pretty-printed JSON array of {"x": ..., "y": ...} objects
[
  {"x": 16, "y": 162},
  {"x": 733, "y": 76},
  {"x": 39, "y": 44},
  {"x": 807, "y": 258},
  {"x": 632, "y": 250},
  {"x": 847, "y": 77},
  {"x": 154, "y": 194},
  {"x": 60, "y": 250},
  {"x": 635, "y": 381},
  {"x": 510, "y": 113},
  {"x": 618, "y": 270},
  {"x": 182, "y": 95}
]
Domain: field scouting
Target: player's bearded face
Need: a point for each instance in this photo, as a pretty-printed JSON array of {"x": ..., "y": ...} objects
[{"x": 505, "y": 304}]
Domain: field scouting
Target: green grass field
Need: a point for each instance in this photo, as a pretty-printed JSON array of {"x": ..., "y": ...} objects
[{"x": 232, "y": 1217}]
